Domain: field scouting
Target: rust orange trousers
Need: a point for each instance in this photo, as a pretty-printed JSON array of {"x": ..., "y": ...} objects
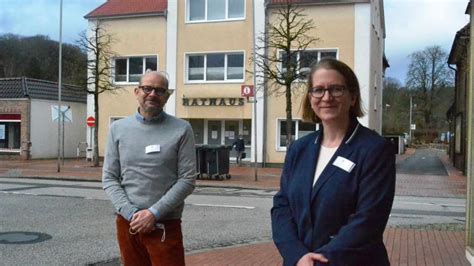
[{"x": 160, "y": 247}]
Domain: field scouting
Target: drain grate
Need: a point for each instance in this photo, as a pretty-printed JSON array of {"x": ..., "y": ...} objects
[{"x": 23, "y": 237}]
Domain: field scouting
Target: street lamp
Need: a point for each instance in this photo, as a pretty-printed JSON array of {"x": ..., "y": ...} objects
[
  {"x": 60, "y": 80},
  {"x": 411, "y": 111},
  {"x": 412, "y": 126}
]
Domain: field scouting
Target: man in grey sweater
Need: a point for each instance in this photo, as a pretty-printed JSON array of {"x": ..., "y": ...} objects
[{"x": 149, "y": 169}]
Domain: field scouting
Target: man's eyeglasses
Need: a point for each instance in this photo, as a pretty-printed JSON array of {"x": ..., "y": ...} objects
[
  {"x": 333, "y": 90},
  {"x": 158, "y": 90}
]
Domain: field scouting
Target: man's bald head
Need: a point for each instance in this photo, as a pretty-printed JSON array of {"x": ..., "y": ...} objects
[{"x": 156, "y": 74}]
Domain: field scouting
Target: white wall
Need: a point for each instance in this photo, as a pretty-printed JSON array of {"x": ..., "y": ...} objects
[
  {"x": 44, "y": 132},
  {"x": 362, "y": 57}
]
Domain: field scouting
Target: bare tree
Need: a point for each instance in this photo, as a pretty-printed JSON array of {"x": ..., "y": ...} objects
[
  {"x": 428, "y": 74},
  {"x": 285, "y": 37},
  {"x": 396, "y": 103},
  {"x": 99, "y": 66}
]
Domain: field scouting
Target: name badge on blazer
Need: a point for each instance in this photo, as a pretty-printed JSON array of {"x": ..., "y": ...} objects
[
  {"x": 343, "y": 163},
  {"x": 152, "y": 149}
]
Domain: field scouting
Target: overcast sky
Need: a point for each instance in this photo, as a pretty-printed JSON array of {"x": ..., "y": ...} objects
[{"x": 411, "y": 25}]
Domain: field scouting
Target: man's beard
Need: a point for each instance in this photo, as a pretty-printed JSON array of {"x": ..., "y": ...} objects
[{"x": 152, "y": 109}]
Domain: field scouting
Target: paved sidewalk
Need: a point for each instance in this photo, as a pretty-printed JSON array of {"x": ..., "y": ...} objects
[
  {"x": 406, "y": 246},
  {"x": 80, "y": 169}
]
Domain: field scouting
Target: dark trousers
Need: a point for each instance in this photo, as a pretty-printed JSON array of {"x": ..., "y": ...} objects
[
  {"x": 239, "y": 157},
  {"x": 155, "y": 248}
]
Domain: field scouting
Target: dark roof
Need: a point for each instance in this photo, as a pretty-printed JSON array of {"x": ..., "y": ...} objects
[
  {"x": 459, "y": 47},
  {"x": 118, "y": 8},
  {"x": 40, "y": 89}
]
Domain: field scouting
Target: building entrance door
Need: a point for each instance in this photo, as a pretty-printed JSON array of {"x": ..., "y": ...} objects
[
  {"x": 214, "y": 132},
  {"x": 231, "y": 131}
]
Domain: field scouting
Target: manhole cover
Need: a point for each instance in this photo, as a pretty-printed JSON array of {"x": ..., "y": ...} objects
[{"x": 23, "y": 237}]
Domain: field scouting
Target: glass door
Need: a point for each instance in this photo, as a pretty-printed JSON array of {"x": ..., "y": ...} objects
[{"x": 214, "y": 132}]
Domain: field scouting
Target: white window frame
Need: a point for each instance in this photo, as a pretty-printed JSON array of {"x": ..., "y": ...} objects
[
  {"x": 127, "y": 82},
  {"x": 298, "y": 56},
  {"x": 297, "y": 121},
  {"x": 225, "y": 80},
  {"x": 205, "y": 20}
]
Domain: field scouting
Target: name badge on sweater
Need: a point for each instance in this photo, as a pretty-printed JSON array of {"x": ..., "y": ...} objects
[
  {"x": 344, "y": 164},
  {"x": 152, "y": 149}
]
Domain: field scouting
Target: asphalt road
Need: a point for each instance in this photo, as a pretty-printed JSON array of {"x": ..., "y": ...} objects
[
  {"x": 422, "y": 162},
  {"x": 80, "y": 221}
]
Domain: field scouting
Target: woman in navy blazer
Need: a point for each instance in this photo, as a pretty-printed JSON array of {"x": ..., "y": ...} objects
[{"x": 338, "y": 183}]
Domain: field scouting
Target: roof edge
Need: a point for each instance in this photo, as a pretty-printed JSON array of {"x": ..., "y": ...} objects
[
  {"x": 318, "y": 2},
  {"x": 456, "y": 41},
  {"x": 129, "y": 15},
  {"x": 88, "y": 14},
  {"x": 26, "y": 79}
]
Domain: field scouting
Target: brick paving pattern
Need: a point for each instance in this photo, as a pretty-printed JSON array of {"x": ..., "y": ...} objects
[{"x": 404, "y": 247}]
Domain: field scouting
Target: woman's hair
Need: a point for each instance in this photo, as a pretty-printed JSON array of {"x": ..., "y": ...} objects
[{"x": 350, "y": 79}]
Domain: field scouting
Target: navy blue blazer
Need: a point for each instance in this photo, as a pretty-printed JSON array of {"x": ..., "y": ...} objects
[{"x": 344, "y": 215}]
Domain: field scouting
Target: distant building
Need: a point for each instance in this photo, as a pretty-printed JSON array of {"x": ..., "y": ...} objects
[
  {"x": 27, "y": 109},
  {"x": 457, "y": 113},
  {"x": 205, "y": 48},
  {"x": 461, "y": 115}
]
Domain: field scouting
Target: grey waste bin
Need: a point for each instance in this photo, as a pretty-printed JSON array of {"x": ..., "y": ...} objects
[{"x": 217, "y": 161}]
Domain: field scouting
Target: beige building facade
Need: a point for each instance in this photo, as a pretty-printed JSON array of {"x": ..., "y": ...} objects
[{"x": 206, "y": 47}]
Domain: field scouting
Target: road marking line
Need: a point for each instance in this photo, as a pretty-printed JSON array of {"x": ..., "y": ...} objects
[
  {"x": 430, "y": 203},
  {"x": 224, "y": 206}
]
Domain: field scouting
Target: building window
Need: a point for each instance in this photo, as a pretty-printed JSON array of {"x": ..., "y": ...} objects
[
  {"x": 303, "y": 60},
  {"x": 130, "y": 69},
  {"x": 299, "y": 129},
  {"x": 215, "y": 10},
  {"x": 10, "y": 134},
  {"x": 215, "y": 67}
]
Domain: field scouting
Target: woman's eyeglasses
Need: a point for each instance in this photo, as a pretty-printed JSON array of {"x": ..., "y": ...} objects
[
  {"x": 333, "y": 90},
  {"x": 158, "y": 90}
]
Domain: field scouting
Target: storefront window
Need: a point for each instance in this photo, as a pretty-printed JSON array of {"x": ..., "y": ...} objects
[
  {"x": 198, "y": 130},
  {"x": 10, "y": 135}
]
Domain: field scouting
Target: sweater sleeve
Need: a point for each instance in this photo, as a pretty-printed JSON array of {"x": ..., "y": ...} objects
[
  {"x": 186, "y": 176},
  {"x": 111, "y": 180}
]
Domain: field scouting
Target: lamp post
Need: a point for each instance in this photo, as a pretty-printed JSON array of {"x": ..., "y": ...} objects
[
  {"x": 60, "y": 81},
  {"x": 411, "y": 111}
]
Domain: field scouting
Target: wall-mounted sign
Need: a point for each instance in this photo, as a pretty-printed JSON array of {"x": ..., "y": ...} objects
[
  {"x": 213, "y": 101},
  {"x": 246, "y": 91},
  {"x": 65, "y": 111}
]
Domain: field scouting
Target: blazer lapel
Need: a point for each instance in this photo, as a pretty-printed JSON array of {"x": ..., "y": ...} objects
[
  {"x": 307, "y": 171},
  {"x": 344, "y": 150}
]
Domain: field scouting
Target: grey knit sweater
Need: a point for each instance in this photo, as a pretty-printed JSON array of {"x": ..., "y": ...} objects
[{"x": 149, "y": 165}]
